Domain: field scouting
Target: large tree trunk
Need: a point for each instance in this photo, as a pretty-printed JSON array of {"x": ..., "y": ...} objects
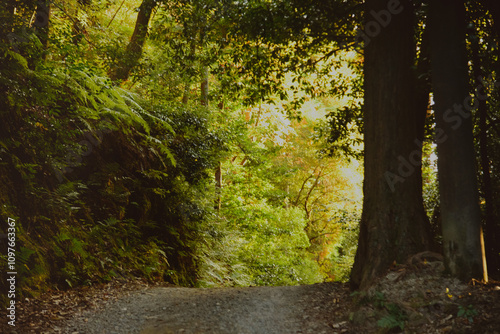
[
  {"x": 492, "y": 223},
  {"x": 460, "y": 214},
  {"x": 41, "y": 27},
  {"x": 487, "y": 189},
  {"x": 393, "y": 225},
  {"x": 133, "y": 53}
]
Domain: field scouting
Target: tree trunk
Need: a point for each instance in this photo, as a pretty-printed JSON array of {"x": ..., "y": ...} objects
[
  {"x": 492, "y": 225},
  {"x": 185, "y": 96},
  {"x": 393, "y": 225},
  {"x": 204, "y": 87},
  {"x": 218, "y": 187},
  {"x": 41, "y": 27},
  {"x": 487, "y": 190},
  {"x": 459, "y": 198},
  {"x": 133, "y": 53}
]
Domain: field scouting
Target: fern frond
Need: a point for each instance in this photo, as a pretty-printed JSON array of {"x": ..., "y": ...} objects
[
  {"x": 131, "y": 99},
  {"x": 155, "y": 152},
  {"x": 163, "y": 149},
  {"x": 87, "y": 81},
  {"x": 160, "y": 121},
  {"x": 166, "y": 151},
  {"x": 18, "y": 58}
]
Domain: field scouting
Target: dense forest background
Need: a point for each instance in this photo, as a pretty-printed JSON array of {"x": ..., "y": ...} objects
[
  {"x": 211, "y": 143},
  {"x": 185, "y": 169}
]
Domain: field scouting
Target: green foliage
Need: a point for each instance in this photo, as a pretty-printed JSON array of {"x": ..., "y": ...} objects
[
  {"x": 344, "y": 250},
  {"x": 468, "y": 312},
  {"x": 395, "y": 319},
  {"x": 259, "y": 243},
  {"x": 279, "y": 225},
  {"x": 274, "y": 245},
  {"x": 392, "y": 315},
  {"x": 430, "y": 189},
  {"x": 111, "y": 181}
]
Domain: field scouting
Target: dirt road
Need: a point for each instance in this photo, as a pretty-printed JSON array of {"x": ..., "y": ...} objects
[
  {"x": 420, "y": 299},
  {"x": 253, "y": 310}
]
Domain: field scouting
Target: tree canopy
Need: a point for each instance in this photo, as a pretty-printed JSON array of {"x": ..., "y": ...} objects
[{"x": 222, "y": 142}]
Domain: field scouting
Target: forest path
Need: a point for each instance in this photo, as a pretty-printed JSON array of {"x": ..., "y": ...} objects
[
  {"x": 422, "y": 299},
  {"x": 267, "y": 310}
]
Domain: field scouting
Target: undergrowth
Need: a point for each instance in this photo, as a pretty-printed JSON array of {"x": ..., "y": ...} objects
[{"x": 110, "y": 180}]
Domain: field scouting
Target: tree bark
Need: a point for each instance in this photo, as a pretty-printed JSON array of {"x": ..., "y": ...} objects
[
  {"x": 393, "y": 225},
  {"x": 459, "y": 198},
  {"x": 218, "y": 187},
  {"x": 133, "y": 53},
  {"x": 204, "y": 87},
  {"x": 185, "y": 96},
  {"x": 487, "y": 190},
  {"x": 41, "y": 24},
  {"x": 492, "y": 225}
]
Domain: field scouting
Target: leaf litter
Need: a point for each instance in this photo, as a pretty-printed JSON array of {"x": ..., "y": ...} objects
[{"x": 411, "y": 298}]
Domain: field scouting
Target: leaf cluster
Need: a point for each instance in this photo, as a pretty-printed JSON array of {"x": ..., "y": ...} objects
[{"x": 114, "y": 185}]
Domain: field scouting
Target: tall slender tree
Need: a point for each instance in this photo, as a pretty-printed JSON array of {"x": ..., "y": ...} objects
[
  {"x": 133, "y": 52},
  {"x": 459, "y": 198},
  {"x": 41, "y": 22},
  {"x": 486, "y": 109},
  {"x": 40, "y": 25},
  {"x": 394, "y": 225},
  {"x": 485, "y": 165}
]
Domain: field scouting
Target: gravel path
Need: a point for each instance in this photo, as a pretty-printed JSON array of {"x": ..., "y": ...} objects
[
  {"x": 429, "y": 303},
  {"x": 255, "y": 310}
]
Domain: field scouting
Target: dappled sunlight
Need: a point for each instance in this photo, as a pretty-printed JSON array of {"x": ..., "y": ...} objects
[{"x": 270, "y": 146}]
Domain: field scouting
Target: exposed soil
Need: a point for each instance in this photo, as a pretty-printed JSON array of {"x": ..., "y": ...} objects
[
  {"x": 414, "y": 298},
  {"x": 138, "y": 307},
  {"x": 418, "y": 298}
]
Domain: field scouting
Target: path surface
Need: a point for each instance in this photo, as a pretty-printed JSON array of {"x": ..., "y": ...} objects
[
  {"x": 255, "y": 310},
  {"x": 428, "y": 301}
]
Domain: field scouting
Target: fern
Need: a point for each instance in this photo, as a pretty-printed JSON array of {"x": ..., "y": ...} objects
[
  {"x": 129, "y": 120},
  {"x": 130, "y": 99},
  {"x": 23, "y": 255},
  {"x": 87, "y": 81},
  {"x": 164, "y": 124},
  {"x": 18, "y": 58},
  {"x": 163, "y": 149},
  {"x": 166, "y": 151},
  {"x": 96, "y": 98},
  {"x": 155, "y": 174}
]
